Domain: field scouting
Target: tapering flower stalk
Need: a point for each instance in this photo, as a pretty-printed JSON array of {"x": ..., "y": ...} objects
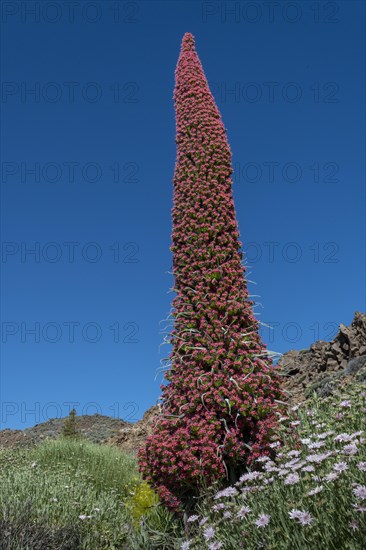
[{"x": 219, "y": 406}]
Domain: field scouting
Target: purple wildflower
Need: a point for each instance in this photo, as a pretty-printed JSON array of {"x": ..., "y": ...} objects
[
  {"x": 319, "y": 457},
  {"x": 294, "y": 453},
  {"x": 306, "y": 518},
  {"x": 263, "y": 520},
  {"x": 325, "y": 434},
  {"x": 340, "y": 466},
  {"x": 308, "y": 468},
  {"x": 283, "y": 472},
  {"x": 291, "y": 479},
  {"x": 215, "y": 545},
  {"x": 350, "y": 449},
  {"x": 295, "y": 514},
  {"x": 343, "y": 437},
  {"x": 315, "y": 491},
  {"x": 228, "y": 492},
  {"x": 362, "y": 466},
  {"x": 217, "y": 507},
  {"x": 192, "y": 518},
  {"x": 360, "y": 491},
  {"x": 359, "y": 508},
  {"x": 244, "y": 510},
  {"x": 263, "y": 458},
  {"x": 331, "y": 477},
  {"x": 209, "y": 533},
  {"x": 316, "y": 445},
  {"x": 250, "y": 476}
]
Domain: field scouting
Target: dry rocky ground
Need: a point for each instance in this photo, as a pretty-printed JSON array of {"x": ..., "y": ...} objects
[{"x": 321, "y": 369}]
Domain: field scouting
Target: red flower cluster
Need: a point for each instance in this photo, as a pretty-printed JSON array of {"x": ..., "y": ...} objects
[{"x": 219, "y": 407}]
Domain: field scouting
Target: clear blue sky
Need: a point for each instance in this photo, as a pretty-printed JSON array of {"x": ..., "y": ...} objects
[{"x": 98, "y": 131}]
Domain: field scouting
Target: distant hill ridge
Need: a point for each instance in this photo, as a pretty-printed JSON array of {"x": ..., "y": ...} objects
[
  {"x": 321, "y": 369},
  {"x": 96, "y": 428}
]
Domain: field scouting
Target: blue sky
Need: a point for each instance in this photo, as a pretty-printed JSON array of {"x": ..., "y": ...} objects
[{"x": 88, "y": 154}]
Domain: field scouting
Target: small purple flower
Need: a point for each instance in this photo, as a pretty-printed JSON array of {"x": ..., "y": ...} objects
[
  {"x": 359, "y": 508},
  {"x": 291, "y": 463},
  {"x": 316, "y": 445},
  {"x": 192, "y": 518},
  {"x": 305, "y": 441},
  {"x": 362, "y": 466},
  {"x": 319, "y": 457},
  {"x": 250, "y": 476},
  {"x": 308, "y": 468},
  {"x": 294, "y": 453},
  {"x": 306, "y": 518},
  {"x": 215, "y": 545},
  {"x": 302, "y": 517},
  {"x": 340, "y": 467},
  {"x": 354, "y": 525},
  {"x": 360, "y": 492},
  {"x": 263, "y": 458},
  {"x": 350, "y": 449},
  {"x": 227, "y": 514},
  {"x": 297, "y": 466},
  {"x": 315, "y": 491},
  {"x": 295, "y": 514},
  {"x": 344, "y": 437},
  {"x": 292, "y": 479},
  {"x": 209, "y": 533},
  {"x": 263, "y": 520},
  {"x": 316, "y": 478},
  {"x": 185, "y": 545},
  {"x": 203, "y": 521},
  {"x": 217, "y": 507},
  {"x": 228, "y": 492},
  {"x": 270, "y": 467},
  {"x": 331, "y": 477},
  {"x": 244, "y": 510},
  {"x": 325, "y": 434},
  {"x": 345, "y": 403}
]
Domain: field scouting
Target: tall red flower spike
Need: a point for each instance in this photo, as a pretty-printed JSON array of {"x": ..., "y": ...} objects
[{"x": 219, "y": 407}]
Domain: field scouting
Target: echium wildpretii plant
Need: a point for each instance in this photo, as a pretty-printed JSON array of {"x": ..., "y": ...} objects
[{"x": 219, "y": 406}]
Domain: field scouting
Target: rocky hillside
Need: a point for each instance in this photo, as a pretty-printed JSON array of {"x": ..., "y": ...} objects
[
  {"x": 96, "y": 428},
  {"x": 326, "y": 364},
  {"x": 321, "y": 369}
]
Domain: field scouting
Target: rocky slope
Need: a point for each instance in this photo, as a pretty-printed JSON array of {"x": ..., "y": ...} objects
[
  {"x": 96, "y": 428},
  {"x": 321, "y": 369},
  {"x": 326, "y": 364}
]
